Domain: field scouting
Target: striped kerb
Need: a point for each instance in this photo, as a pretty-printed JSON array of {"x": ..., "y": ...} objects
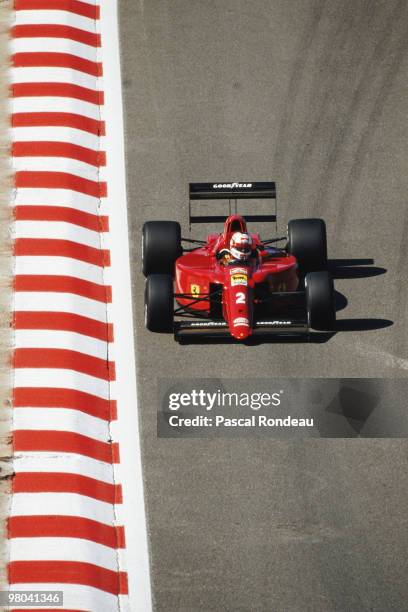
[{"x": 62, "y": 527}]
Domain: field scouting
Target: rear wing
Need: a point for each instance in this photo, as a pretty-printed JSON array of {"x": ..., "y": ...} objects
[{"x": 232, "y": 192}]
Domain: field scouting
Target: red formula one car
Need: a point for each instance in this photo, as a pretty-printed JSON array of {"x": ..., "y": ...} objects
[{"x": 234, "y": 283}]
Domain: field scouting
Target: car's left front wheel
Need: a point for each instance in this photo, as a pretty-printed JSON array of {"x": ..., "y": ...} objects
[
  {"x": 161, "y": 246},
  {"x": 159, "y": 303}
]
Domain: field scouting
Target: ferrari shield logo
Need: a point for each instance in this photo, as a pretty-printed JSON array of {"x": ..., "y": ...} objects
[{"x": 195, "y": 289}]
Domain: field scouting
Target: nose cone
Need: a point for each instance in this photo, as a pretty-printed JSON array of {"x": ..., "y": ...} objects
[{"x": 241, "y": 329}]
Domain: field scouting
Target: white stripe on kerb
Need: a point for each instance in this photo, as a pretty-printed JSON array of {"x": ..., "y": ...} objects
[
  {"x": 57, "y": 229},
  {"x": 64, "y": 504},
  {"x": 46, "y": 74},
  {"x": 44, "y": 17},
  {"x": 63, "y": 549},
  {"x": 53, "y": 45},
  {"x": 59, "y": 302},
  {"x": 45, "y": 338},
  {"x": 76, "y": 596},
  {"x": 69, "y": 463},
  {"x": 56, "y": 104},
  {"x": 51, "y": 134},
  {"x": 61, "y": 419},
  {"x": 59, "y": 265},
  {"x": 61, "y": 379}
]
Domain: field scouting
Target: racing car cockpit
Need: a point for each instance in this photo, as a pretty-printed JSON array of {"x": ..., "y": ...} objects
[{"x": 236, "y": 246}]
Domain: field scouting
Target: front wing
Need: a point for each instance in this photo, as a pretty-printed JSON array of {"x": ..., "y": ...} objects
[{"x": 263, "y": 327}]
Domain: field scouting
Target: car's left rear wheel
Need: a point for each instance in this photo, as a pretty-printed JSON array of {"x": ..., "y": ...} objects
[{"x": 159, "y": 303}]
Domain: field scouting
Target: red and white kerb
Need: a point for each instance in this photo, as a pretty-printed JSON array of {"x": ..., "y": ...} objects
[{"x": 62, "y": 528}]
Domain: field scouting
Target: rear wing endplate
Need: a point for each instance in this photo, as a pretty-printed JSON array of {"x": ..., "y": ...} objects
[{"x": 232, "y": 191}]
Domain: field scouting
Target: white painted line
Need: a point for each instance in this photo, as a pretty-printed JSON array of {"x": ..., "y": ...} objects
[
  {"x": 64, "y": 504},
  {"x": 61, "y": 419},
  {"x": 121, "y": 313},
  {"x": 67, "y": 379}
]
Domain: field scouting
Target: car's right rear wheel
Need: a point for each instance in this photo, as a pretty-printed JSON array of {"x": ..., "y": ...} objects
[
  {"x": 159, "y": 303},
  {"x": 320, "y": 302},
  {"x": 161, "y": 246}
]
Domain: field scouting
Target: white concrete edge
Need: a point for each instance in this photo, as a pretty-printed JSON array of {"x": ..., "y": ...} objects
[{"x": 126, "y": 429}]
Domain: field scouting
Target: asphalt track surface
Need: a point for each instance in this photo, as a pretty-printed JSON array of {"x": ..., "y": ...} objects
[{"x": 312, "y": 94}]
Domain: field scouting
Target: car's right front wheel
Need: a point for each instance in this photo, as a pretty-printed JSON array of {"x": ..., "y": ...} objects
[
  {"x": 159, "y": 303},
  {"x": 320, "y": 301},
  {"x": 307, "y": 242}
]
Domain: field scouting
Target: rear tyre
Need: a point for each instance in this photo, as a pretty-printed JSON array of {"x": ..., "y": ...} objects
[
  {"x": 321, "y": 311},
  {"x": 307, "y": 242},
  {"x": 159, "y": 303},
  {"x": 161, "y": 246}
]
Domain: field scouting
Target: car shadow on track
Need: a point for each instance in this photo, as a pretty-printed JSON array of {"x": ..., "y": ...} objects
[
  {"x": 349, "y": 269},
  {"x": 354, "y": 268}
]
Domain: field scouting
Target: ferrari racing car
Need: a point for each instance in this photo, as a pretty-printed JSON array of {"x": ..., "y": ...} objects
[{"x": 234, "y": 283}]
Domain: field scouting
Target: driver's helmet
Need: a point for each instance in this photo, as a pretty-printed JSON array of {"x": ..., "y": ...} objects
[{"x": 240, "y": 246}]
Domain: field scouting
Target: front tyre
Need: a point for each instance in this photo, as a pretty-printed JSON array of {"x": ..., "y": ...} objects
[
  {"x": 320, "y": 304},
  {"x": 307, "y": 242},
  {"x": 161, "y": 246},
  {"x": 159, "y": 303}
]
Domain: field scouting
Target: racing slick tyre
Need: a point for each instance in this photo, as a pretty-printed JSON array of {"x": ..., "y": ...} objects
[
  {"x": 321, "y": 311},
  {"x": 159, "y": 303},
  {"x": 307, "y": 242},
  {"x": 161, "y": 246}
]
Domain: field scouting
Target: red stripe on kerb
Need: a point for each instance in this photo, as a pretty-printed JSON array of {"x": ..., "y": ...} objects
[
  {"x": 38, "y": 59},
  {"x": 61, "y": 482},
  {"x": 35, "y": 30},
  {"x": 52, "y": 526},
  {"x": 41, "y": 148},
  {"x": 62, "y": 213},
  {"x": 72, "y": 6},
  {"x": 72, "y": 120},
  {"x": 64, "y": 442},
  {"x": 59, "y": 180},
  {"x": 64, "y": 359},
  {"x": 68, "y": 572},
  {"x": 58, "y": 90},
  {"x": 44, "y": 397},
  {"x": 63, "y": 321},
  {"x": 63, "y": 284},
  {"x": 45, "y": 610},
  {"x": 61, "y": 248}
]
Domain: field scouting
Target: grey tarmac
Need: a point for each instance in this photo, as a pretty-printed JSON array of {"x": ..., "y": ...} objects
[{"x": 312, "y": 94}]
